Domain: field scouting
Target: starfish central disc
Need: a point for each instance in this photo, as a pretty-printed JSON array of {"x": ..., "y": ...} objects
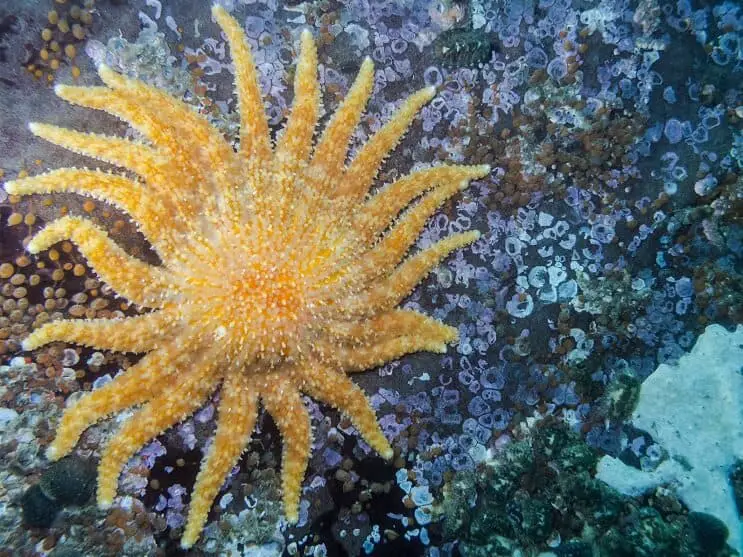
[
  {"x": 273, "y": 292},
  {"x": 266, "y": 304}
]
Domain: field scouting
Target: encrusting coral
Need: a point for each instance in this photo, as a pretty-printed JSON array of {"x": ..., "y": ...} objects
[{"x": 280, "y": 271}]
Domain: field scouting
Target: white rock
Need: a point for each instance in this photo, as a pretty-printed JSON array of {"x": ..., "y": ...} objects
[{"x": 694, "y": 410}]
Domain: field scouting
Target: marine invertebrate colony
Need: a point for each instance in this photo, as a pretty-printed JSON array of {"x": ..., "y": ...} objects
[{"x": 280, "y": 273}]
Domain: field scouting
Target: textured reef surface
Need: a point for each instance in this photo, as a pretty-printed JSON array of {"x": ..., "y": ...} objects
[{"x": 594, "y": 382}]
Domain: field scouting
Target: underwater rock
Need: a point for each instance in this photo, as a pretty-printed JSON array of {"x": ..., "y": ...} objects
[
  {"x": 575, "y": 548},
  {"x": 693, "y": 411},
  {"x": 64, "y": 551},
  {"x": 620, "y": 397},
  {"x": 69, "y": 481},
  {"x": 644, "y": 534},
  {"x": 553, "y": 503},
  {"x": 617, "y": 298},
  {"x": 705, "y": 534},
  {"x": 38, "y": 510},
  {"x": 736, "y": 479},
  {"x": 525, "y": 493}
]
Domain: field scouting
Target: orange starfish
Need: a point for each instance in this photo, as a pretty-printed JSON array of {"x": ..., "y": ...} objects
[{"x": 280, "y": 272}]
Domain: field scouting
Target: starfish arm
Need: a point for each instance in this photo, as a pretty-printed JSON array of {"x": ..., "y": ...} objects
[
  {"x": 296, "y": 140},
  {"x": 361, "y": 172},
  {"x": 283, "y": 198},
  {"x": 340, "y": 392},
  {"x": 162, "y": 129},
  {"x": 141, "y": 333},
  {"x": 209, "y": 164},
  {"x": 203, "y": 142},
  {"x": 136, "y": 280},
  {"x": 130, "y": 196},
  {"x": 134, "y": 386},
  {"x": 362, "y": 358},
  {"x": 282, "y": 401},
  {"x": 377, "y": 213},
  {"x": 137, "y": 157},
  {"x": 390, "y": 291},
  {"x": 238, "y": 408},
  {"x": 330, "y": 153},
  {"x": 392, "y": 324},
  {"x": 374, "y": 341},
  {"x": 389, "y": 325},
  {"x": 255, "y": 145},
  {"x": 160, "y": 413},
  {"x": 151, "y": 124},
  {"x": 384, "y": 256}
]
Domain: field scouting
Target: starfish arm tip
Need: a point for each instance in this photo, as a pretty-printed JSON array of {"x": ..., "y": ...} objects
[
  {"x": 52, "y": 453},
  {"x": 218, "y": 10},
  {"x": 106, "y": 72},
  {"x": 452, "y": 337},
  {"x": 34, "y": 127},
  {"x": 33, "y": 247},
  {"x": 11, "y": 187},
  {"x": 387, "y": 453},
  {"x": 367, "y": 66},
  {"x": 27, "y": 344}
]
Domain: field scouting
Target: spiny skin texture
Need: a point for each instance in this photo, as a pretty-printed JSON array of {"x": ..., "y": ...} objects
[{"x": 280, "y": 272}]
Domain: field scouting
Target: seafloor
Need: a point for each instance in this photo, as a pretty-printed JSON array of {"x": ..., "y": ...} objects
[{"x": 611, "y": 239}]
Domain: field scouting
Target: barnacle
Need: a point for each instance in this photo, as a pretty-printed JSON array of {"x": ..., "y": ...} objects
[{"x": 280, "y": 272}]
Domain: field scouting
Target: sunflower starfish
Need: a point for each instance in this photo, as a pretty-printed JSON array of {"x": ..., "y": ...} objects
[{"x": 280, "y": 272}]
